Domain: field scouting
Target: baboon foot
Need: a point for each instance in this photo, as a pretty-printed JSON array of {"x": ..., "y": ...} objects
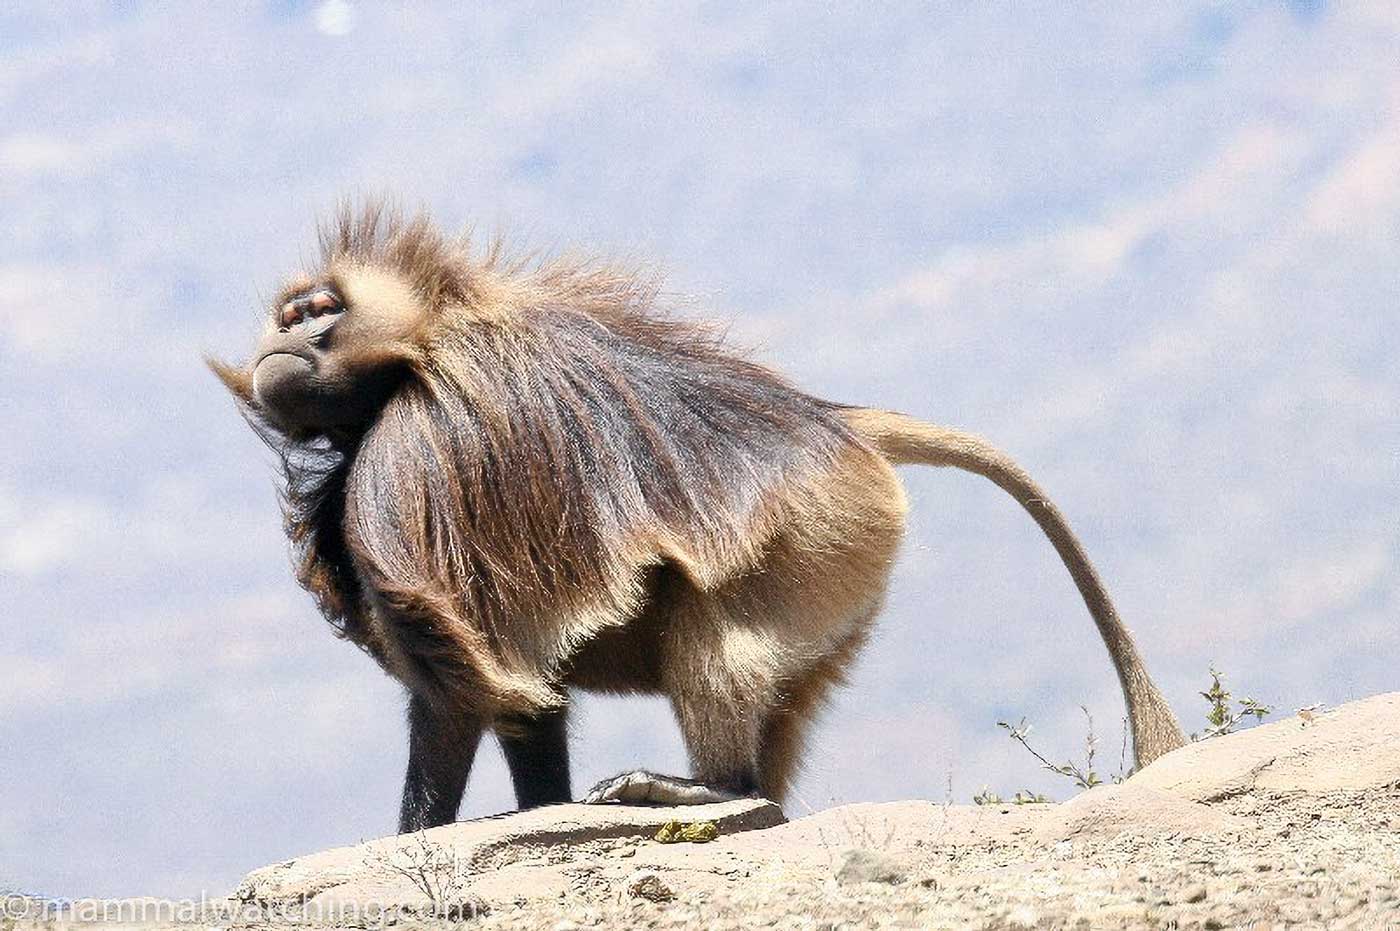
[{"x": 640, "y": 787}]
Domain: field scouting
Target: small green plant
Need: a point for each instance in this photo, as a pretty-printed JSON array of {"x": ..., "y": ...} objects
[
  {"x": 1221, "y": 717},
  {"x": 1022, "y": 797},
  {"x": 1083, "y": 776}
]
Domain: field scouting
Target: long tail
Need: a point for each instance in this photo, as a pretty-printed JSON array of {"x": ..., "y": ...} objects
[{"x": 904, "y": 440}]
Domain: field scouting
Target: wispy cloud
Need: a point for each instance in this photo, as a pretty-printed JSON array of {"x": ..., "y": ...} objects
[
  {"x": 335, "y": 17},
  {"x": 1152, "y": 253},
  {"x": 56, "y": 535}
]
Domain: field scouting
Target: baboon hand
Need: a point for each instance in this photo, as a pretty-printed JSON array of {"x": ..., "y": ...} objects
[{"x": 640, "y": 787}]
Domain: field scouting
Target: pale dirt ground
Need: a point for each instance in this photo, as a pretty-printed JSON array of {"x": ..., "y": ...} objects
[{"x": 1284, "y": 825}]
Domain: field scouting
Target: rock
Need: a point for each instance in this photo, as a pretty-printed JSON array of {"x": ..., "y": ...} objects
[
  {"x": 898, "y": 827},
  {"x": 481, "y": 850},
  {"x": 869, "y": 866},
  {"x": 1109, "y": 811},
  {"x": 1352, "y": 746}
]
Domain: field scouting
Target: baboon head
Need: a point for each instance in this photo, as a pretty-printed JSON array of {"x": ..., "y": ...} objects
[{"x": 339, "y": 340}]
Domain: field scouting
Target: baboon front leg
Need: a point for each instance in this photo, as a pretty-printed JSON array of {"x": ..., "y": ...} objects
[
  {"x": 441, "y": 747},
  {"x": 537, "y": 751}
]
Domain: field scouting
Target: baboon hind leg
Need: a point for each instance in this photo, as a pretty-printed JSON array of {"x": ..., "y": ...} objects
[
  {"x": 721, "y": 737},
  {"x": 719, "y": 678},
  {"x": 746, "y": 664},
  {"x": 721, "y": 721},
  {"x": 730, "y": 756},
  {"x": 801, "y": 697},
  {"x": 744, "y": 736}
]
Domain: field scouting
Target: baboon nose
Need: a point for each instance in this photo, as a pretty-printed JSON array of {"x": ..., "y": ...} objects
[{"x": 290, "y": 315}]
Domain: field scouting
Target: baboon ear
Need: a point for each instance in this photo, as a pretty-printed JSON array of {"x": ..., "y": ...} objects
[{"x": 235, "y": 379}]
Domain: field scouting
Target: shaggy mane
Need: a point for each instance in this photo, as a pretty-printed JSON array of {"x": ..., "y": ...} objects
[
  {"x": 556, "y": 438},
  {"x": 447, "y": 270}
]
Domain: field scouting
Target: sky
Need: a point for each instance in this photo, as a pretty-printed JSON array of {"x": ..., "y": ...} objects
[{"x": 1150, "y": 250}]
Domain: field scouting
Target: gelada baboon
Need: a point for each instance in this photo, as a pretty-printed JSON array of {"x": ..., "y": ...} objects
[{"x": 506, "y": 479}]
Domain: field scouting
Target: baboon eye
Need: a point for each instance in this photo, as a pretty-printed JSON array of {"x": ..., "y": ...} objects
[
  {"x": 324, "y": 302},
  {"x": 314, "y": 304}
]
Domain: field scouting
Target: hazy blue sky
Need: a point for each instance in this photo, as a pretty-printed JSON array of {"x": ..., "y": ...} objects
[{"x": 1150, "y": 249}]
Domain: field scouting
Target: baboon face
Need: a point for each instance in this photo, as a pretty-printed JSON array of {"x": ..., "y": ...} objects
[{"x": 333, "y": 351}]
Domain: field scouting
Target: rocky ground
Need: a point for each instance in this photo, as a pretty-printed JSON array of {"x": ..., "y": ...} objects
[{"x": 1291, "y": 824}]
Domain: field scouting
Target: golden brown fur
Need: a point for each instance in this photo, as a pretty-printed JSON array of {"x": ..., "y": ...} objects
[{"x": 557, "y": 486}]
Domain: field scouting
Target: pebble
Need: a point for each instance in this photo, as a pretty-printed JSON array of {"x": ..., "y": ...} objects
[
  {"x": 646, "y": 884},
  {"x": 869, "y": 866}
]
